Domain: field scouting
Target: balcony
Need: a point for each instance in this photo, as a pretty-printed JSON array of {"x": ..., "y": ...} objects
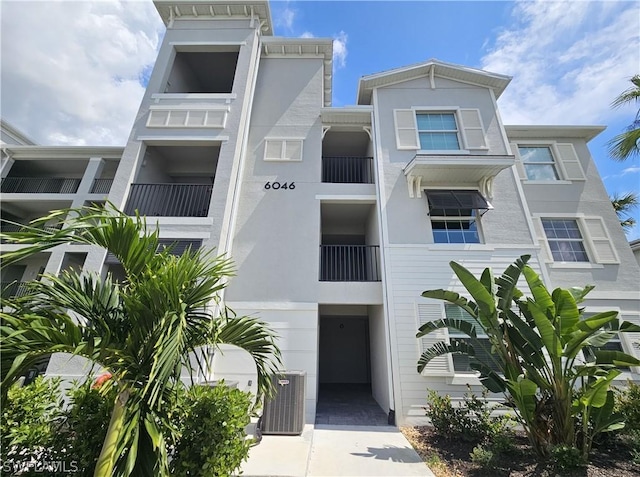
[
  {"x": 169, "y": 200},
  {"x": 347, "y": 170},
  {"x": 350, "y": 263},
  {"x": 101, "y": 186},
  {"x": 39, "y": 185},
  {"x": 13, "y": 289}
]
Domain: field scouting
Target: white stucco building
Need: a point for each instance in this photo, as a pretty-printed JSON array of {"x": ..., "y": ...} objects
[{"x": 337, "y": 218}]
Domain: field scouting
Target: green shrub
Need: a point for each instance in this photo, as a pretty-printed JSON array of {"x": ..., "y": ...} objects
[
  {"x": 483, "y": 457},
  {"x": 85, "y": 426},
  {"x": 31, "y": 416},
  {"x": 470, "y": 421},
  {"x": 564, "y": 457},
  {"x": 628, "y": 404},
  {"x": 212, "y": 441}
]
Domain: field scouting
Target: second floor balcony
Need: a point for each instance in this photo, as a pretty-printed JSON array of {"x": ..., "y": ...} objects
[
  {"x": 39, "y": 185},
  {"x": 348, "y": 169},
  {"x": 350, "y": 263},
  {"x": 169, "y": 200}
]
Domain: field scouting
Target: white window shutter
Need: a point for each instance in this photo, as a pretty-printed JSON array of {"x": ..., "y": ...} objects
[
  {"x": 545, "y": 251},
  {"x": 570, "y": 163},
  {"x": 442, "y": 365},
  {"x": 473, "y": 129},
  {"x": 519, "y": 166},
  {"x": 600, "y": 241},
  {"x": 406, "y": 129},
  {"x": 293, "y": 149},
  {"x": 273, "y": 149}
]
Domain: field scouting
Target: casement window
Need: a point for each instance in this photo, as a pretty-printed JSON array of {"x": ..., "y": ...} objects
[
  {"x": 577, "y": 240},
  {"x": 550, "y": 162},
  {"x": 455, "y": 215},
  {"x": 439, "y": 131},
  {"x": 283, "y": 149},
  {"x": 481, "y": 346}
]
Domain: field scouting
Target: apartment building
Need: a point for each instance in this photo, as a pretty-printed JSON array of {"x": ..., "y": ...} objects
[{"x": 337, "y": 218}]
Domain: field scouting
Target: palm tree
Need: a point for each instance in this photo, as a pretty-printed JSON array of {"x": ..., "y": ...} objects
[
  {"x": 145, "y": 330},
  {"x": 623, "y": 204},
  {"x": 627, "y": 144}
]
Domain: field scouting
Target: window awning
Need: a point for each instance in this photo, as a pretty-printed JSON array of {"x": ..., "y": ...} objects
[{"x": 457, "y": 200}]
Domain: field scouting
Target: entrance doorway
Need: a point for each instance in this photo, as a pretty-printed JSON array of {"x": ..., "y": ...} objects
[{"x": 345, "y": 395}]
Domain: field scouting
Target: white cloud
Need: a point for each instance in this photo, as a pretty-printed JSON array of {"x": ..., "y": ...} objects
[
  {"x": 569, "y": 60},
  {"x": 631, "y": 170},
  {"x": 340, "y": 49},
  {"x": 72, "y": 71},
  {"x": 286, "y": 18},
  {"x": 307, "y": 34}
]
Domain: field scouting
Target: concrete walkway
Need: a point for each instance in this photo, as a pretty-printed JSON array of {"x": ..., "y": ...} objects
[{"x": 346, "y": 451}]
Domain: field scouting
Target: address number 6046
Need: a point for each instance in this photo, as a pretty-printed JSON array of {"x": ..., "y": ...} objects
[{"x": 280, "y": 185}]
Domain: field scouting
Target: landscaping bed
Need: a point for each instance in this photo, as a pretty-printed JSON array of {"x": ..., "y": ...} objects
[{"x": 612, "y": 457}]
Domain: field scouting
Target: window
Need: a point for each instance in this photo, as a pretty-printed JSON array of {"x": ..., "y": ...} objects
[
  {"x": 450, "y": 129},
  {"x": 482, "y": 346},
  {"x": 565, "y": 240},
  {"x": 438, "y": 131},
  {"x": 455, "y": 215},
  {"x": 538, "y": 163}
]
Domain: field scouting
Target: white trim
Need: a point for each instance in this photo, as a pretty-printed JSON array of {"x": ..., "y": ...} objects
[
  {"x": 349, "y": 198},
  {"x": 189, "y": 107},
  {"x": 575, "y": 265},
  {"x": 183, "y": 139},
  {"x": 191, "y": 96},
  {"x": 208, "y": 43},
  {"x": 283, "y": 153},
  {"x": 558, "y": 182},
  {"x": 273, "y": 305}
]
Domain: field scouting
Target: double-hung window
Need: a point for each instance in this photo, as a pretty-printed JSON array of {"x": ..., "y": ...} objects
[
  {"x": 438, "y": 131},
  {"x": 538, "y": 162},
  {"x": 565, "y": 240},
  {"x": 455, "y": 215}
]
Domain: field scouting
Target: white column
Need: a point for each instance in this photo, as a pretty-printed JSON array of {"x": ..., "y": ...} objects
[
  {"x": 91, "y": 173},
  {"x": 5, "y": 166}
]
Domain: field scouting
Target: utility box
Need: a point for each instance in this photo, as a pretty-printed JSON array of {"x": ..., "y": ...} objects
[{"x": 284, "y": 413}]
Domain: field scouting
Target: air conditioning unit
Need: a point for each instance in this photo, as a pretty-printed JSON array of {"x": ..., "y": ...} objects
[{"x": 284, "y": 413}]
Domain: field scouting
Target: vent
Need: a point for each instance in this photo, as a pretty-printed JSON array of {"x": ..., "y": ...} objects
[{"x": 284, "y": 414}]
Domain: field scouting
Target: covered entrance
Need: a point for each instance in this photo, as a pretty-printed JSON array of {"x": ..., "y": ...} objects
[{"x": 349, "y": 372}]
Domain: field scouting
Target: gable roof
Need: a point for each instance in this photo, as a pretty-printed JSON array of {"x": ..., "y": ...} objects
[{"x": 432, "y": 67}]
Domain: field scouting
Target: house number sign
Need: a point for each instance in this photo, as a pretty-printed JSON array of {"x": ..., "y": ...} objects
[{"x": 280, "y": 185}]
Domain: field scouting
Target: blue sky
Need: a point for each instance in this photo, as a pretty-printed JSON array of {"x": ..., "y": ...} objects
[{"x": 74, "y": 72}]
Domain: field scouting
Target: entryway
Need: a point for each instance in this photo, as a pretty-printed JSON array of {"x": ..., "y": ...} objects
[{"x": 345, "y": 373}]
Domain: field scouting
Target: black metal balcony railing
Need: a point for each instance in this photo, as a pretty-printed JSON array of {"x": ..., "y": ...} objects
[
  {"x": 353, "y": 170},
  {"x": 176, "y": 247},
  {"x": 169, "y": 200},
  {"x": 17, "y": 227},
  {"x": 101, "y": 186},
  {"x": 350, "y": 263},
  {"x": 13, "y": 289},
  {"x": 39, "y": 185}
]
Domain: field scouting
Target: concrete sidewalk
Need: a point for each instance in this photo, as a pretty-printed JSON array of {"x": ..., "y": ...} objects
[{"x": 324, "y": 451}]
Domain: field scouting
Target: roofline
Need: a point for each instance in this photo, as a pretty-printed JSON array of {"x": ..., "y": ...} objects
[
  {"x": 435, "y": 67},
  {"x": 62, "y": 152},
  {"x": 541, "y": 131},
  {"x": 635, "y": 244},
  {"x": 13, "y": 131},
  {"x": 167, "y": 8}
]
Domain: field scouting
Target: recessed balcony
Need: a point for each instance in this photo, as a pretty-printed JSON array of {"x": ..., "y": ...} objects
[
  {"x": 169, "y": 200},
  {"x": 347, "y": 170},
  {"x": 101, "y": 186},
  {"x": 39, "y": 185},
  {"x": 350, "y": 263}
]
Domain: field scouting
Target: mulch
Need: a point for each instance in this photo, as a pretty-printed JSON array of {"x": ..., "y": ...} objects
[{"x": 609, "y": 458}]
